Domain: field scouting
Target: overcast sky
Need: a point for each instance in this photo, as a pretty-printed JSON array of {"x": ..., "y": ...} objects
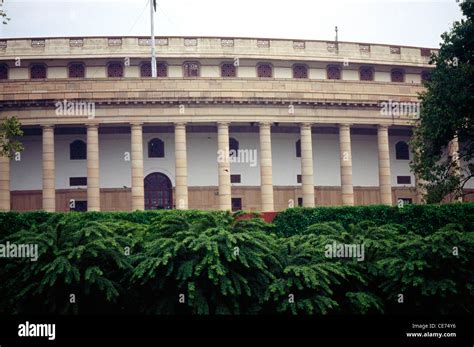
[{"x": 403, "y": 22}]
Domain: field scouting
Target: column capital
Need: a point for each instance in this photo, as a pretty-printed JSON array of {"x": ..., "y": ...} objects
[
  {"x": 136, "y": 124},
  {"x": 382, "y": 126},
  {"x": 223, "y": 124},
  {"x": 306, "y": 125},
  {"x": 345, "y": 125},
  {"x": 180, "y": 124},
  {"x": 47, "y": 126},
  {"x": 91, "y": 125},
  {"x": 265, "y": 124}
]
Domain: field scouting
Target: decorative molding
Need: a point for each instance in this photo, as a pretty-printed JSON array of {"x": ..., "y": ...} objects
[
  {"x": 114, "y": 42},
  {"x": 161, "y": 42},
  {"x": 76, "y": 42},
  {"x": 190, "y": 42},
  {"x": 3, "y": 44},
  {"x": 227, "y": 42},
  {"x": 394, "y": 50},
  {"x": 38, "y": 43},
  {"x": 331, "y": 47},
  {"x": 263, "y": 43},
  {"x": 299, "y": 44},
  {"x": 364, "y": 48},
  {"x": 142, "y": 41}
]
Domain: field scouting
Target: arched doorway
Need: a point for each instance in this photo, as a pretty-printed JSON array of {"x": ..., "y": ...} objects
[{"x": 158, "y": 192}]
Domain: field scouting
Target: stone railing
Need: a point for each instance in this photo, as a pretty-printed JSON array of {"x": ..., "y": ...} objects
[{"x": 213, "y": 47}]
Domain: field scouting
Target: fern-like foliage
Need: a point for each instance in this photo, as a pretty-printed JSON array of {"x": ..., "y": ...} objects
[{"x": 213, "y": 264}]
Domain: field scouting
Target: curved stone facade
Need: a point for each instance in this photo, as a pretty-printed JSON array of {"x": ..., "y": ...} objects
[{"x": 317, "y": 122}]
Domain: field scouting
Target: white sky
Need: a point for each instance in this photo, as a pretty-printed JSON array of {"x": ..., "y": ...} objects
[{"x": 408, "y": 22}]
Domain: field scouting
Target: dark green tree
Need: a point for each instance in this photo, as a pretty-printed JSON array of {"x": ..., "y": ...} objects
[
  {"x": 447, "y": 107},
  {"x": 9, "y": 129}
]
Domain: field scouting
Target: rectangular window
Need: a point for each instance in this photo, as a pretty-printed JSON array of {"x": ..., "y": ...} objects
[
  {"x": 236, "y": 204},
  {"x": 299, "y": 179},
  {"x": 300, "y": 202},
  {"x": 235, "y": 179},
  {"x": 403, "y": 180},
  {"x": 78, "y": 206},
  {"x": 77, "y": 181}
]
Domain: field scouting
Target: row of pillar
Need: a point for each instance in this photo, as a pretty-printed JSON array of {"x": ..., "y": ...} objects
[{"x": 181, "y": 191}]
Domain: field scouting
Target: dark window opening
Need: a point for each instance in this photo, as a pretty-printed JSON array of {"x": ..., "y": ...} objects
[
  {"x": 77, "y": 71},
  {"x": 397, "y": 76},
  {"x": 300, "y": 202},
  {"x": 38, "y": 71},
  {"x": 298, "y": 149},
  {"x": 115, "y": 70},
  {"x": 156, "y": 149},
  {"x": 264, "y": 71},
  {"x": 78, "y": 206},
  {"x": 300, "y": 71},
  {"x": 401, "y": 151},
  {"x": 403, "y": 180},
  {"x": 161, "y": 69},
  {"x": 228, "y": 70},
  {"x": 191, "y": 69},
  {"x": 235, "y": 179},
  {"x": 145, "y": 69},
  {"x": 233, "y": 147},
  {"x": 334, "y": 73},
  {"x": 366, "y": 74},
  {"x": 77, "y": 181},
  {"x": 299, "y": 179},
  {"x": 3, "y": 72},
  {"x": 78, "y": 150},
  {"x": 236, "y": 204}
]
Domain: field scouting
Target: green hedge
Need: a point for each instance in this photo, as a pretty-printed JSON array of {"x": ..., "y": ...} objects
[
  {"x": 421, "y": 219},
  {"x": 198, "y": 262}
]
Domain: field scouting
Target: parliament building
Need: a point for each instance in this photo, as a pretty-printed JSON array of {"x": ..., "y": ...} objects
[{"x": 228, "y": 123}]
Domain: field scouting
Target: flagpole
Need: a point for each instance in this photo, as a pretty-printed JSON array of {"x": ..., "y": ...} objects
[{"x": 153, "y": 49}]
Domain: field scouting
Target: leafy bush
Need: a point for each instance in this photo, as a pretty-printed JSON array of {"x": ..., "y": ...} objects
[{"x": 197, "y": 262}]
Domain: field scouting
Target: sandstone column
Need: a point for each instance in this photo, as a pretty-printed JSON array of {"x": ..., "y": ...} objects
[
  {"x": 307, "y": 165},
  {"x": 93, "y": 190},
  {"x": 266, "y": 184},
  {"x": 138, "y": 195},
  {"x": 4, "y": 183},
  {"x": 225, "y": 202},
  {"x": 49, "y": 180},
  {"x": 346, "y": 165},
  {"x": 181, "y": 166},
  {"x": 385, "y": 178}
]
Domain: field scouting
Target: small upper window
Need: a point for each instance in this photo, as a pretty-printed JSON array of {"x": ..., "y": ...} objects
[
  {"x": 233, "y": 147},
  {"x": 115, "y": 70},
  {"x": 333, "y": 72},
  {"x": 145, "y": 69},
  {"x": 228, "y": 70},
  {"x": 3, "y": 72},
  {"x": 397, "y": 75},
  {"x": 191, "y": 69},
  {"x": 156, "y": 148},
  {"x": 401, "y": 151},
  {"x": 366, "y": 73},
  {"x": 161, "y": 69},
  {"x": 298, "y": 149},
  {"x": 38, "y": 71},
  {"x": 77, "y": 70},
  {"x": 300, "y": 71},
  {"x": 264, "y": 70},
  {"x": 78, "y": 150}
]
